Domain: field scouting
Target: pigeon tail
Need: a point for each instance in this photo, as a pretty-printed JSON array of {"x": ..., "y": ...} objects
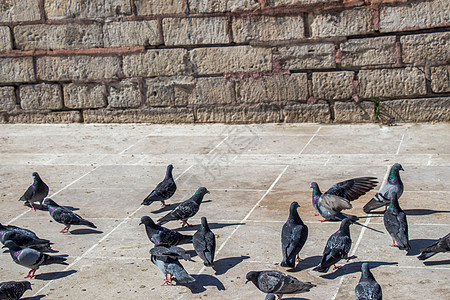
[
  {"x": 87, "y": 223},
  {"x": 321, "y": 269},
  {"x": 406, "y": 247},
  {"x": 374, "y": 203},
  {"x": 184, "y": 277},
  {"x": 55, "y": 260},
  {"x": 426, "y": 255},
  {"x": 186, "y": 239},
  {"x": 288, "y": 263},
  {"x": 166, "y": 219},
  {"x": 341, "y": 216}
]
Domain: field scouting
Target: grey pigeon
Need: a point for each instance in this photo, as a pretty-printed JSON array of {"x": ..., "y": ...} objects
[
  {"x": 367, "y": 288},
  {"x": 163, "y": 191},
  {"x": 337, "y": 248},
  {"x": 293, "y": 237},
  {"x": 65, "y": 216},
  {"x": 23, "y": 237},
  {"x": 278, "y": 283},
  {"x": 35, "y": 192},
  {"x": 204, "y": 242},
  {"x": 395, "y": 222},
  {"x": 185, "y": 209},
  {"x": 338, "y": 197},
  {"x": 167, "y": 236},
  {"x": 167, "y": 260},
  {"x": 31, "y": 258},
  {"x": 270, "y": 297},
  {"x": 13, "y": 290},
  {"x": 442, "y": 245},
  {"x": 394, "y": 185}
]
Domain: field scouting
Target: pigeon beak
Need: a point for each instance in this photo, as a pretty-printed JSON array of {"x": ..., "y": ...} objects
[
  {"x": 141, "y": 223},
  {"x": 247, "y": 281},
  {"x": 401, "y": 168},
  {"x": 3, "y": 247}
]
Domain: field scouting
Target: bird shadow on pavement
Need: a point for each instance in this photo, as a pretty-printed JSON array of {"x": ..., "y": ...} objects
[
  {"x": 355, "y": 267},
  {"x": 211, "y": 226},
  {"x": 222, "y": 265},
  {"x": 34, "y": 297},
  {"x": 203, "y": 280},
  {"x": 85, "y": 231},
  {"x": 437, "y": 262},
  {"x": 54, "y": 275},
  {"x": 306, "y": 263},
  {"x": 417, "y": 244},
  {"x": 423, "y": 212},
  {"x": 170, "y": 207}
]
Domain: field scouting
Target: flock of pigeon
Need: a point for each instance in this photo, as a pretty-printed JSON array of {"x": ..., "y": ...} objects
[{"x": 28, "y": 250}]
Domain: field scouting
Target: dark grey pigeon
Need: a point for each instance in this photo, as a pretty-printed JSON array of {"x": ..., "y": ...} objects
[
  {"x": 167, "y": 236},
  {"x": 278, "y": 283},
  {"x": 442, "y": 245},
  {"x": 163, "y": 191},
  {"x": 23, "y": 237},
  {"x": 395, "y": 222},
  {"x": 293, "y": 237},
  {"x": 185, "y": 209},
  {"x": 394, "y": 185},
  {"x": 367, "y": 288},
  {"x": 167, "y": 260},
  {"x": 31, "y": 258},
  {"x": 36, "y": 192},
  {"x": 65, "y": 216},
  {"x": 337, "y": 248},
  {"x": 204, "y": 242},
  {"x": 338, "y": 197},
  {"x": 13, "y": 290},
  {"x": 270, "y": 297}
]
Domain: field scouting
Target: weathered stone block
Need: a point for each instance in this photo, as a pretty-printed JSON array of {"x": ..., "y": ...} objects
[
  {"x": 77, "y": 68},
  {"x": 333, "y": 85},
  {"x": 277, "y": 88},
  {"x": 348, "y": 22},
  {"x": 164, "y": 62},
  {"x": 318, "y": 56},
  {"x": 298, "y": 2},
  {"x": 391, "y": 83},
  {"x": 84, "y": 96},
  {"x": 120, "y": 34},
  {"x": 5, "y": 39},
  {"x": 19, "y": 10},
  {"x": 351, "y": 112},
  {"x": 63, "y": 9},
  {"x": 159, "y": 115},
  {"x": 7, "y": 98},
  {"x": 16, "y": 70},
  {"x": 311, "y": 113},
  {"x": 418, "y": 110},
  {"x": 230, "y": 59},
  {"x": 173, "y": 91},
  {"x": 261, "y": 113},
  {"x": 41, "y": 96},
  {"x": 416, "y": 15},
  {"x": 431, "y": 47},
  {"x": 370, "y": 51},
  {"x": 47, "y": 117},
  {"x": 263, "y": 28},
  {"x": 125, "y": 93},
  {"x": 214, "y": 91},
  {"x": 440, "y": 79},
  {"x": 211, "y": 6},
  {"x": 159, "y": 7},
  {"x": 63, "y": 36},
  {"x": 195, "y": 31}
]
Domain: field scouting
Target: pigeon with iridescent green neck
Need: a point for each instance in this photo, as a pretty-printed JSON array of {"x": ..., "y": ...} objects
[
  {"x": 35, "y": 192},
  {"x": 395, "y": 222},
  {"x": 204, "y": 242},
  {"x": 367, "y": 288},
  {"x": 293, "y": 237},
  {"x": 163, "y": 191},
  {"x": 394, "y": 185}
]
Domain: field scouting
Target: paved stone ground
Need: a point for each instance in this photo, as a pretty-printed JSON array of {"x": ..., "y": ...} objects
[{"x": 254, "y": 173}]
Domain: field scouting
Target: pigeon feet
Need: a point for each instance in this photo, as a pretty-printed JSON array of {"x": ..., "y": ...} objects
[
  {"x": 184, "y": 223},
  {"x": 298, "y": 258},
  {"x": 168, "y": 279},
  {"x": 394, "y": 244},
  {"x": 65, "y": 230},
  {"x": 351, "y": 257},
  {"x": 31, "y": 273},
  {"x": 317, "y": 214},
  {"x": 324, "y": 220},
  {"x": 163, "y": 204},
  {"x": 336, "y": 267}
]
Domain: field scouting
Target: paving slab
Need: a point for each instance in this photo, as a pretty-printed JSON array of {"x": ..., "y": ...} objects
[{"x": 104, "y": 171}]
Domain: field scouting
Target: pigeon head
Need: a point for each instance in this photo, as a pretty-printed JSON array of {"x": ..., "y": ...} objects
[
  {"x": 394, "y": 175},
  {"x": 293, "y": 213},
  {"x": 270, "y": 297},
  {"x": 205, "y": 223},
  {"x": 365, "y": 270},
  {"x": 345, "y": 225},
  {"x": 11, "y": 245},
  {"x": 169, "y": 171},
  {"x": 316, "y": 191},
  {"x": 252, "y": 276},
  {"x": 202, "y": 191},
  {"x": 27, "y": 285},
  {"x": 49, "y": 202},
  {"x": 398, "y": 167}
]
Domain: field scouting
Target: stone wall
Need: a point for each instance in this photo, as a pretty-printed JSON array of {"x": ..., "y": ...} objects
[{"x": 231, "y": 61}]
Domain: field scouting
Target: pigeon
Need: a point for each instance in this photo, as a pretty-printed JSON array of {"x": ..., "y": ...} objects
[
  {"x": 23, "y": 237},
  {"x": 270, "y": 297},
  {"x": 166, "y": 259},
  {"x": 278, "y": 283},
  {"x": 442, "y": 245},
  {"x": 167, "y": 236},
  {"x": 163, "y": 191},
  {"x": 337, "y": 248},
  {"x": 13, "y": 290},
  {"x": 338, "y": 197},
  {"x": 36, "y": 192},
  {"x": 31, "y": 258},
  {"x": 293, "y": 237},
  {"x": 394, "y": 185},
  {"x": 204, "y": 242},
  {"x": 367, "y": 288},
  {"x": 65, "y": 216},
  {"x": 395, "y": 222},
  {"x": 185, "y": 209}
]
